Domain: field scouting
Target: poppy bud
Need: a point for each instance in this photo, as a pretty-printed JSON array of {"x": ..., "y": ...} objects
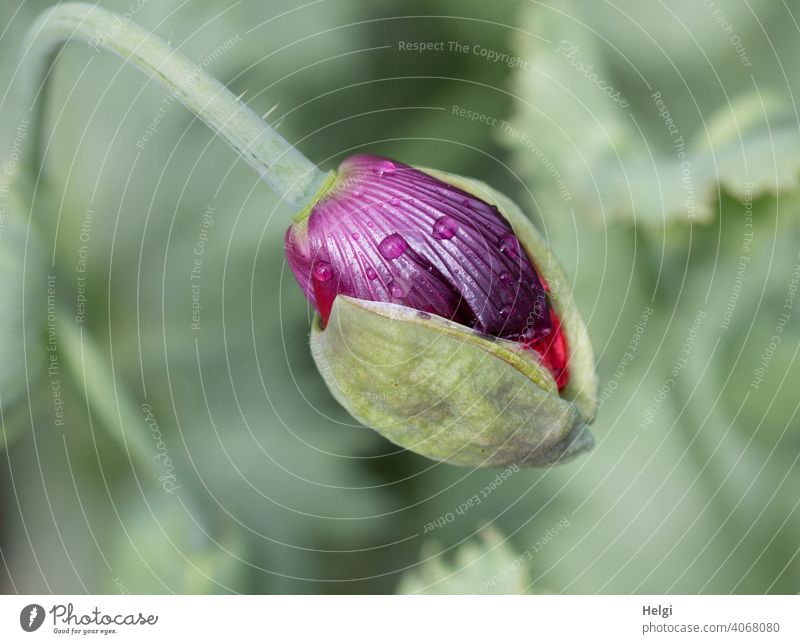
[{"x": 444, "y": 321}]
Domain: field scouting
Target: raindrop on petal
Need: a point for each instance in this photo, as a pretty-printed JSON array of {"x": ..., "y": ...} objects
[
  {"x": 392, "y": 246},
  {"x": 323, "y": 271},
  {"x": 445, "y": 227},
  {"x": 509, "y": 245},
  {"x": 396, "y": 290},
  {"x": 385, "y": 167}
]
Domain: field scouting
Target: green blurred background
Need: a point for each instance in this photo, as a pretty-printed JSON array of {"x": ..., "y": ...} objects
[{"x": 269, "y": 486}]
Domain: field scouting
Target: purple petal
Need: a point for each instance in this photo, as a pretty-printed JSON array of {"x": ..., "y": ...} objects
[{"x": 389, "y": 232}]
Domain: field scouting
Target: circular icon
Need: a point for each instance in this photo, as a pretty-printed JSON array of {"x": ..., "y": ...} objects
[{"x": 31, "y": 617}]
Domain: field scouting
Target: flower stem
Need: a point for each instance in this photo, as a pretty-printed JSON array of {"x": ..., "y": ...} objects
[{"x": 277, "y": 162}]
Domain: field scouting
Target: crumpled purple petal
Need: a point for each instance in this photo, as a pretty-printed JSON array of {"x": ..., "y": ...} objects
[{"x": 389, "y": 232}]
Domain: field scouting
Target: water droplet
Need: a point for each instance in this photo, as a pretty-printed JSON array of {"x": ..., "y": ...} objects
[
  {"x": 385, "y": 167},
  {"x": 323, "y": 271},
  {"x": 506, "y": 277},
  {"x": 395, "y": 201},
  {"x": 396, "y": 289},
  {"x": 505, "y": 310},
  {"x": 465, "y": 201},
  {"x": 509, "y": 245},
  {"x": 371, "y": 274},
  {"x": 370, "y": 224},
  {"x": 392, "y": 246},
  {"x": 357, "y": 192},
  {"x": 356, "y": 236},
  {"x": 445, "y": 227}
]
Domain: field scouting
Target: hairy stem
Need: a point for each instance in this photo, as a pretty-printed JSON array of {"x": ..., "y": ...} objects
[{"x": 277, "y": 162}]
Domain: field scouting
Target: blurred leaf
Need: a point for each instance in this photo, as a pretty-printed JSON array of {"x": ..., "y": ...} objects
[
  {"x": 644, "y": 115},
  {"x": 165, "y": 547},
  {"x": 22, "y": 334},
  {"x": 488, "y": 564}
]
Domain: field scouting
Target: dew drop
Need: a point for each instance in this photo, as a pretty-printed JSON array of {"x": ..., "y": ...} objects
[
  {"x": 323, "y": 271},
  {"x": 505, "y": 311},
  {"x": 392, "y": 246},
  {"x": 385, "y": 167},
  {"x": 445, "y": 227},
  {"x": 509, "y": 245},
  {"x": 357, "y": 192},
  {"x": 396, "y": 290},
  {"x": 356, "y": 236},
  {"x": 395, "y": 201},
  {"x": 506, "y": 277},
  {"x": 371, "y": 274}
]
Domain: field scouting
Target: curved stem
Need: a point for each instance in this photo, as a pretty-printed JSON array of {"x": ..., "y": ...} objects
[{"x": 277, "y": 162}]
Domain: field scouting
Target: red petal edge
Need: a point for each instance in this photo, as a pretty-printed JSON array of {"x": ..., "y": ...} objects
[
  {"x": 553, "y": 348},
  {"x": 553, "y": 351}
]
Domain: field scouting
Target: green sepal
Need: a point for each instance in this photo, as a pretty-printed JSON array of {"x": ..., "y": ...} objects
[{"x": 444, "y": 391}]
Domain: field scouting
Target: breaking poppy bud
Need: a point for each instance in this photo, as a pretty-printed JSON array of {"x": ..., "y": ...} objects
[{"x": 444, "y": 321}]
